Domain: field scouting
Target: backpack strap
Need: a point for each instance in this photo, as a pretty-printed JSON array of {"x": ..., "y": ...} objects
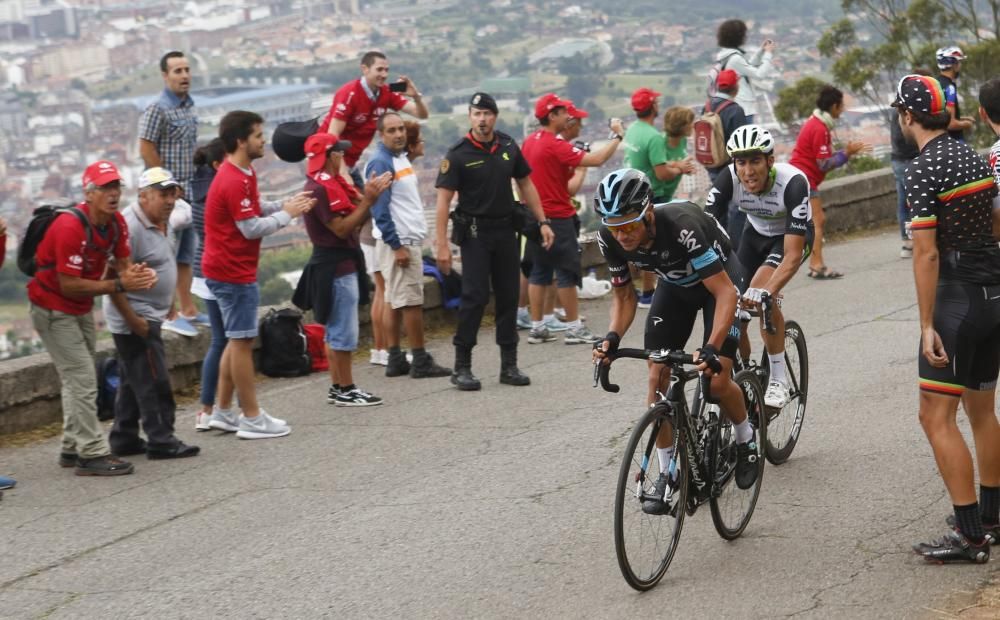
[{"x": 725, "y": 104}]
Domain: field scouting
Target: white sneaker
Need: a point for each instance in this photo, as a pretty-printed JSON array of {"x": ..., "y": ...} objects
[
  {"x": 777, "y": 395},
  {"x": 379, "y": 357},
  {"x": 261, "y": 427},
  {"x": 224, "y": 420},
  {"x": 201, "y": 421}
]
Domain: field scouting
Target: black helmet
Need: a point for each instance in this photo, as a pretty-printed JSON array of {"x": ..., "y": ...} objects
[{"x": 622, "y": 192}]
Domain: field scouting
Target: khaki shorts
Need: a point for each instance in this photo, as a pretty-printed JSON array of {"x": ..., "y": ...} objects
[{"x": 404, "y": 286}]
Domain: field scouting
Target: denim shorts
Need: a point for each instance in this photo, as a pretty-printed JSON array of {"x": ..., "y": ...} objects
[
  {"x": 187, "y": 242},
  {"x": 238, "y": 304},
  {"x": 342, "y": 324}
]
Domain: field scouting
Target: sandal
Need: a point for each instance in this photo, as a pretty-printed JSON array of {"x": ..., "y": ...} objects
[{"x": 824, "y": 273}]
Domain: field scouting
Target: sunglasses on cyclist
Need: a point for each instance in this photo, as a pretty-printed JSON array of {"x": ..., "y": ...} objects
[{"x": 628, "y": 225}]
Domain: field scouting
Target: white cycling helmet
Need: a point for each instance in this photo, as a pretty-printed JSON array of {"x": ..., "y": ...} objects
[
  {"x": 750, "y": 140},
  {"x": 948, "y": 56}
]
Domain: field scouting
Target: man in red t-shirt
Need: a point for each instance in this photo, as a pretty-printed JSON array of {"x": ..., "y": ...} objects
[
  {"x": 814, "y": 156},
  {"x": 358, "y": 105},
  {"x": 235, "y": 222},
  {"x": 553, "y": 161},
  {"x": 76, "y": 262}
]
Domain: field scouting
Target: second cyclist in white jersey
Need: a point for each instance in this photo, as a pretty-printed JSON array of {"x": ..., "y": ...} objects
[{"x": 777, "y": 237}]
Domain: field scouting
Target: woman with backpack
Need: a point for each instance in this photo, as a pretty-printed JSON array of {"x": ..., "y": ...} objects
[
  {"x": 207, "y": 160},
  {"x": 731, "y": 36}
]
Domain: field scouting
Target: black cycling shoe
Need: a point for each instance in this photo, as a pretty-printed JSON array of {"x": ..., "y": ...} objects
[
  {"x": 954, "y": 547},
  {"x": 659, "y": 505},
  {"x": 992, "y": 529},
  {"x": 747, "y": 462}
]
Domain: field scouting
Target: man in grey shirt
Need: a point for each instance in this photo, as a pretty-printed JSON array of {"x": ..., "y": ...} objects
[{"x": 135, "y": 319}]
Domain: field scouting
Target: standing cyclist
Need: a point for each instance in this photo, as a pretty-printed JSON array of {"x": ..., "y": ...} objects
[
  {"x": 776, "y": 238},
  {"x": 956, "y": 265},
  {"x": 691, "y": 254}
]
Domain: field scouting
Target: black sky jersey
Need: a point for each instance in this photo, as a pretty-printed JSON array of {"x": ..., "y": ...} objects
[
  {"x": 950, "y": 189},
  {"x": 481, "y": 174},
  {"x": 950, "y": 89},
  {"x": 689, "y": 246}
]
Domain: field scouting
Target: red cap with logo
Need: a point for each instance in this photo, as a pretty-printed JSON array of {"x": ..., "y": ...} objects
[
  {"x": 100, "y": 173},
  {"x": 643, "y": 99},
  {"x": 549, "y": 102},
  {"x": 727, "y": 78},
  {"x": 318, "y": 146},
  {"x": 575, "y": 112}
]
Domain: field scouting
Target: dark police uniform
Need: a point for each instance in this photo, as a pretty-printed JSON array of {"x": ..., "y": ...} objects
[{"x": 481, "y": 174}]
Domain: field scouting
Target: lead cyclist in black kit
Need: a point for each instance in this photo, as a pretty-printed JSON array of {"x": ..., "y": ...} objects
[
  {"x": 777, "y": 236},
  {"x": 698, "y": 271}
]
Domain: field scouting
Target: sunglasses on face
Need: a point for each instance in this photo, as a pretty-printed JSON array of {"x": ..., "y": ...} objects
[{"x": 628, "y": 225}]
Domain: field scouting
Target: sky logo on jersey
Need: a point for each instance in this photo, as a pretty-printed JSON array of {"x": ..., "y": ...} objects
[{"x": 688, "y": 240}]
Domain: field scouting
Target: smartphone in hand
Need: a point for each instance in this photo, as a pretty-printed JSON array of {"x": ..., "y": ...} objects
[{"x": 398, "y": 87}]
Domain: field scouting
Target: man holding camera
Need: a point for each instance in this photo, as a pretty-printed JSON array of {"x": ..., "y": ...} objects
[
  {"x": 358, "y": 105},
  {"x": 553, "y": 163}
]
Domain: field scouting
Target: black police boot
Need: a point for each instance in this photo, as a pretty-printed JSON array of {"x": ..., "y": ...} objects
[
  {"x": 463, "y": 377},
  {"x": 397, "y": 366},
  {"x": 509, "y": 372},
  {"x": 424, "y": 366}
]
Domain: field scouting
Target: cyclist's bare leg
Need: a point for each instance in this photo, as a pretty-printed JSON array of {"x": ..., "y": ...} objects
[
  {"x": 659, "y": 380},
  {"x": 937, "y": 417},
  {"x": 729, "y": 394},
  {"x": 980, "y": 407},
  {"x": 774, "y": 343}
]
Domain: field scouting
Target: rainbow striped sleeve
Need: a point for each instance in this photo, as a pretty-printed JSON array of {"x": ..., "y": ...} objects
[
  {"x": 923, "y": 223},
  {"x": 965, "y": 190}
]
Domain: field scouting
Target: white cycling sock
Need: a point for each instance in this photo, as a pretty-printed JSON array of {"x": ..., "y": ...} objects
[
  {"x": 744, "y": 432},
  {"x": 665, "y": 454},
  {"x": 538, "y": 324},
  {"x": 548, "y": 318},
  {"x": 577, "y": 324},
  {"x": 778, "y": 367}
]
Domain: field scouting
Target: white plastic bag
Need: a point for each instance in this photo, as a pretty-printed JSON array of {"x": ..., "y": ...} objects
[
  {"x": 592, "y": 288},
  {"x": 180, "y": 217}
]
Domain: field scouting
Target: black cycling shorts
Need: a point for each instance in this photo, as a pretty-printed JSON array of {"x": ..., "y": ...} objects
[
  {"x": 757, "y": 250},
  {"x": 674, "y": 308},
  {"x": 967, "y": 318}
]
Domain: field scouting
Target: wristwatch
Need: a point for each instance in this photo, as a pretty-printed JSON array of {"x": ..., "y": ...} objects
[
  {"x": 545, "y": 223},
  {"x": 119, "y": 287},
  {"x": 618, "y": 136}
]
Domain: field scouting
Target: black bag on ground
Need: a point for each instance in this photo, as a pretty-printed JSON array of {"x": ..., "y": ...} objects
[
  {"x": 284, "y": 348},
  {"x": 41, "y": 220},
  {"x": 289, "y": 139},
  {"x": 108, "y": 380}
]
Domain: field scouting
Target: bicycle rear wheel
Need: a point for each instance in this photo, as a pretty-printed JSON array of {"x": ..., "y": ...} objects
[
  {"x": 732, "y": 506},
  {"x": 645, "y": 543},
  {"x": 785, "y": 424}
]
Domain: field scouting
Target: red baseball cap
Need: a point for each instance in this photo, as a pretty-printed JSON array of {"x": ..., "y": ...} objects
[
  {"x": 549, "y": 102},
  {"x": 101, "y": 173},
  {"x": 643, "y": 99},
  {"x": 318, "y": 146},
  {"x": 727, "y": 78},
  {"x": 576, "y": 112}
]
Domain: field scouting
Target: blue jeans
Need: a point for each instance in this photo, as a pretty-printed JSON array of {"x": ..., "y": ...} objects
[
  {"x": 902, "y": 210},
  {"x": 238, "y": 304},
  {"x": 210, "y": 365},
  {"x": 342, "y": 324},
  {"x": 187, "y": 244}
]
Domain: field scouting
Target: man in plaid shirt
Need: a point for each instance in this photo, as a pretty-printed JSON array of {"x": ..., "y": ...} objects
[{"x": 168, "y": 135}]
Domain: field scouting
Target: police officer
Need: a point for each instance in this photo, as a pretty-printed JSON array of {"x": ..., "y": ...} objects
[{"x": 480, "y": 168}]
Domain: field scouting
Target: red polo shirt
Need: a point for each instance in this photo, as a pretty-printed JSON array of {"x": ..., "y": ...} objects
[
  {"x": 64, "y": 250},
  {"x": 352, "y": 105},
  {"x": 228, "y": 255},
  {"x": 813, "y": 143},
  {"x": 552, "y": 161}
]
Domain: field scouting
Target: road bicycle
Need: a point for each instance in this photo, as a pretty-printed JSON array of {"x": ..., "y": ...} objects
[
  {"x": 785, "y": 424},
  {"x": 703, "y": 467}
]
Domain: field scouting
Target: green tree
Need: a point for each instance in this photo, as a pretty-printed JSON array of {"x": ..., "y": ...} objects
[
  {"x": 796, "y": 102},
  {"x": 275, "y": 292},
  {"x": 904, "y": 36}
]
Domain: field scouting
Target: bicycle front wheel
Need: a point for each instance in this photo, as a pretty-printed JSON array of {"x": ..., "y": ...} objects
[
  {"x": 785, "y": 424},
  {"x": 732, "y": 506},
  {"x": 645, "y": 543}
]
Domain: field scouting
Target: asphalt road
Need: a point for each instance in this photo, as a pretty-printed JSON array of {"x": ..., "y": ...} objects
[{"x": 499, "y": 503}]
